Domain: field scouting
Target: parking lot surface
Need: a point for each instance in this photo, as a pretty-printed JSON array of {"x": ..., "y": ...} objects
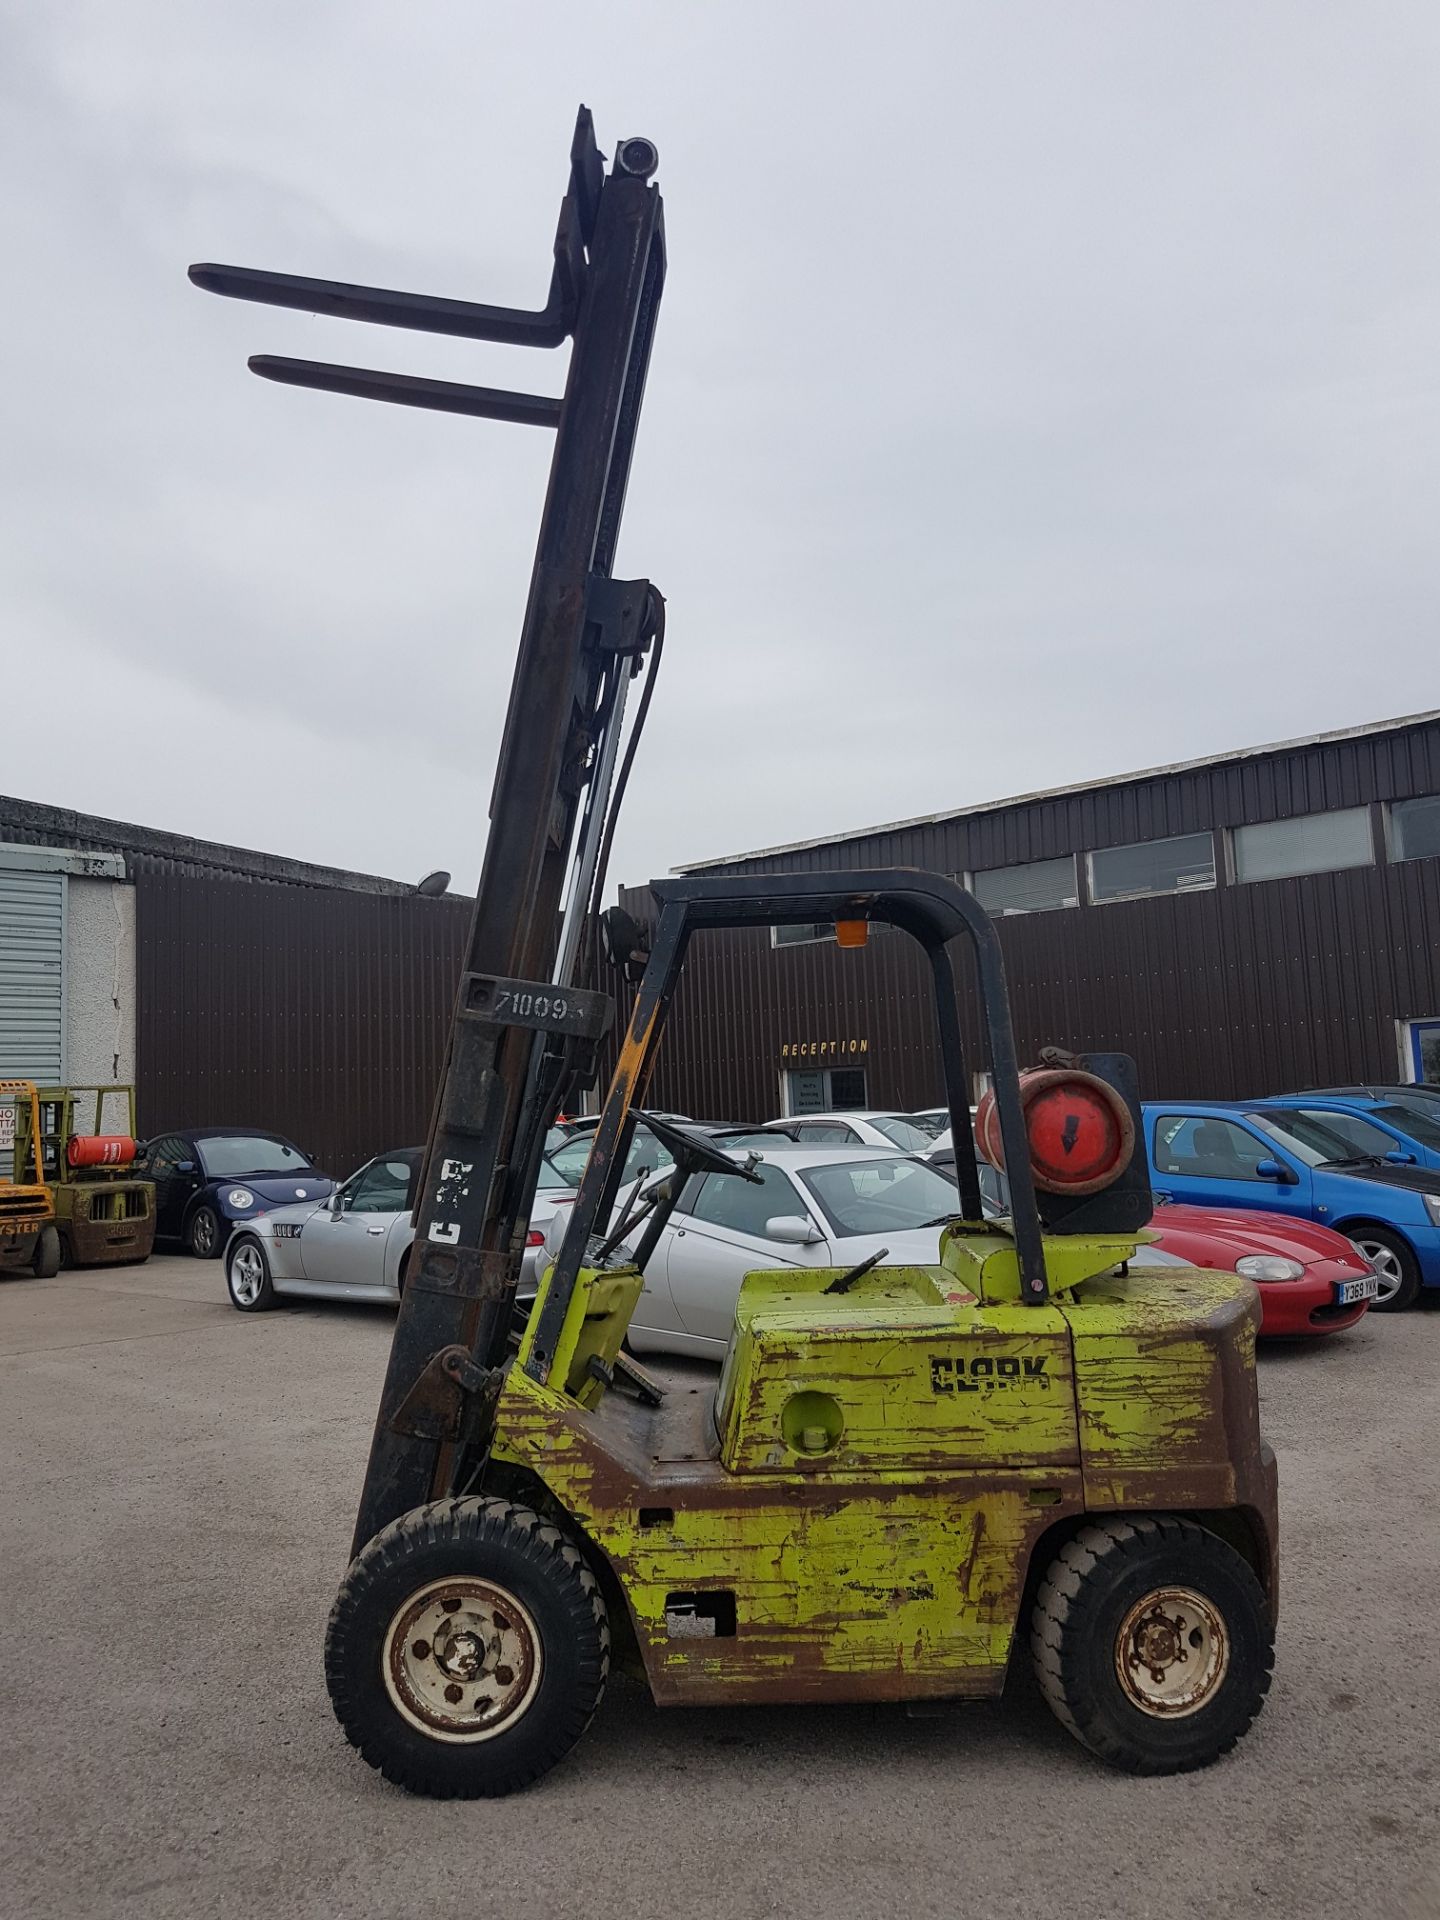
[{"x": 178, "y": 1491}]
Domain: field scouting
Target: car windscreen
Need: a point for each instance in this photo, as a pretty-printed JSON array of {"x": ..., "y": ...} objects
[
  {"x": 564, "y": 1167},
  {"x": 1308, "y": 1140},
  {"x": 880, "y": 1196},
  {"x": 908, "y": 1135},
  {"x": 1359, "y": 1135},
  {"x": 228, "y": 1154},
  {"x": 1419, "y": 1122}
]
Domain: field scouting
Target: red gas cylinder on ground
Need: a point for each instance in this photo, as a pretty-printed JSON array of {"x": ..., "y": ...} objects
[
  {"x": 1079, "y": 1128},
  {"x": 101, "y": 1150}
]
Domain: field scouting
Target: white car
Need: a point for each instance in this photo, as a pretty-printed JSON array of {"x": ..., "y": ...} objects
[
  {"x": 898, "y": 1131},
  {"x": 814, "y": 1207}
]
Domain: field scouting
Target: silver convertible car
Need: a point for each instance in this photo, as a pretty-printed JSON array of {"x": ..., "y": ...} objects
[{"x": 354, "y": 1245}]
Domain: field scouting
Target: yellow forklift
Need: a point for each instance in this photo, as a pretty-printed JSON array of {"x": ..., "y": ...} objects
[
  {"x": 905, "y": 1476},
  {"x": 104, "y": 1212},
  {"x": 29, "y": 1237}
]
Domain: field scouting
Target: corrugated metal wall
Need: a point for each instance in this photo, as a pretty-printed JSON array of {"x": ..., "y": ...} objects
[
  {"x": 32, "y": 975},
  {"x": 315, "y": 1012},
  {"x": 1222, "y": 993}
]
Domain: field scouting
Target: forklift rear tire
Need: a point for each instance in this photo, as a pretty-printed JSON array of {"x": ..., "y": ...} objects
[
  {"x": 1152, "y": 1642},
  {"x": 467, "y": 1649},
  {"x": 46, "y": 1263}
]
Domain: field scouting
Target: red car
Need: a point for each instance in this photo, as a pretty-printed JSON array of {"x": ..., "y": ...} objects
[{"x": 1310, "y": 1278}]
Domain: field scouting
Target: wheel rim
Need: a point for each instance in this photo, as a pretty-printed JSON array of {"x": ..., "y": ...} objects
[
  {"x": 1388, "y": 1270},
  {"x": 461, "y": 1660},
  {"x": 1172, "y": 1653},
  {"x": 202, "y": 1232},
  {"x": 247, "y": 1275}
]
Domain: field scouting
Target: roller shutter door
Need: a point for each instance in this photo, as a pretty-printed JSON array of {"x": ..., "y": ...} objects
[{"x": 32, "y": 975}]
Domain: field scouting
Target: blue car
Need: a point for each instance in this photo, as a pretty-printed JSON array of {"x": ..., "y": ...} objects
[
  {"x": 1401, "y": 1134},
  {"x": 1270, "y": 1160}
]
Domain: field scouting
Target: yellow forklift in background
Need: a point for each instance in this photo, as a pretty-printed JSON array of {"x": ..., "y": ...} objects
[
  {"x": 104, "y": 1212},
  {"x": 29, "y": 1237},
  {"x": 904, "y": 1475}
]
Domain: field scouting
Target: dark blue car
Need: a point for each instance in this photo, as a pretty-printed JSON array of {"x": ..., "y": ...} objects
[
  {"x": 1269, "y": 1160},
  {"x": 209, "y": 1178}
]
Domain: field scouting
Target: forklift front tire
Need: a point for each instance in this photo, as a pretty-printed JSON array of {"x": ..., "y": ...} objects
[
  {"x": 1152, "y": 1642},
  {"x": 467, "y": 1650},
  {"x": 47, "y": 1254}
]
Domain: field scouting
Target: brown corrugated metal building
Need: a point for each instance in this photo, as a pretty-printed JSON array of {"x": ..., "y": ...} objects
[
  {"x": 1255, "y": 922},
  {"x": 234, "y": 988}
]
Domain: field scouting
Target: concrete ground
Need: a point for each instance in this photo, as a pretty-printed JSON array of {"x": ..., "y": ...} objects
[{"x": 178, "y": 1492}]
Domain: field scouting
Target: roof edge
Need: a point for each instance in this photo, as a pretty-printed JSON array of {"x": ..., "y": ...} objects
[
  {"x": 1075, "y": 786},
  {"x": 64, "y": 828}
]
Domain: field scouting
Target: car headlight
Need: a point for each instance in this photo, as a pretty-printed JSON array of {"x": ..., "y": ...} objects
[
  {"x": 1432, "y": 1206},
  {"x": 240, "y": 1197},
  {"x": 1269, "y": 1266}
]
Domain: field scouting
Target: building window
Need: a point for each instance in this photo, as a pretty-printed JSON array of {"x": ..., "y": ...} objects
[
  {"x": 1179, "y": 865},
  {"x": 1315, "y": 843},
  {"x": 1034, "y": 887},
  {"x": 1415, "y": 828}
]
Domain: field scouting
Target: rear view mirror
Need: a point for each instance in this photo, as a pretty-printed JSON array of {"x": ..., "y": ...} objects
[
  {"x": 1399, "y": 1159},
  {"x": 792, "y": 1231},
  {"x": 184, "y": 1166},
  {"x": 622, "y": 940}
]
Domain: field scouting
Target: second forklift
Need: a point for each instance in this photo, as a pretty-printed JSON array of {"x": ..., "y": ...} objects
[{"x": 104, "y": 1211}]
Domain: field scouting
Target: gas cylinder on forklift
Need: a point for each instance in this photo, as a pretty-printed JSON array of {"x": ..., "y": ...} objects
[{"x": 29, "y": 1240}]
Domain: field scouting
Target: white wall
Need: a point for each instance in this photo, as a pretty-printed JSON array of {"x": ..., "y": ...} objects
[{"x": 99, "y": 981}]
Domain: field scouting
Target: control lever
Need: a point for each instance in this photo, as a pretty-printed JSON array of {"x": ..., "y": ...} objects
[{"x": 843, "y": 1282}]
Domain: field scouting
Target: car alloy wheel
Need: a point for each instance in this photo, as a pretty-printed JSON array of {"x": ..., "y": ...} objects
[
  {"x": 1388, "y": 1270},
  {"x": 247, "y": 1274},
  {"x": 204, "y": 1234}
]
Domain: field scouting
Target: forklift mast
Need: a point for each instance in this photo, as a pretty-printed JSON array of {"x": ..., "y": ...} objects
[{"x": 523, "y": 1033}]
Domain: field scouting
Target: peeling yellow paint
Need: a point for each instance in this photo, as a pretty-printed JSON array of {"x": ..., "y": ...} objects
[{"x": 866, "y": 1485}]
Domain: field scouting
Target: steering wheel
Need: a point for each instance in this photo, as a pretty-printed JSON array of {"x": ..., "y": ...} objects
[{"x": 696, "y": 1152}]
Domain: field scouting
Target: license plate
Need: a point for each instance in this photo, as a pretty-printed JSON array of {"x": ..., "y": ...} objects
[{"x": 1347, "y": 1292}]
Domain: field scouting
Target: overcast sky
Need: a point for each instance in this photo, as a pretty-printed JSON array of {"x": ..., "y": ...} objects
[{"x": 1041, "y": 391}]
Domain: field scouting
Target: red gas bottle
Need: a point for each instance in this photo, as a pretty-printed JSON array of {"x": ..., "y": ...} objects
[
  {"x": 101, "y": 1150},
  {"x": 1079, "y": 1128}
]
